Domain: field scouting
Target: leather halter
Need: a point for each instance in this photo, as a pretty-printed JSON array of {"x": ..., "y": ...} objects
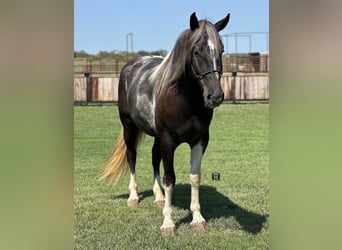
[{"x": 202, "y": 75}]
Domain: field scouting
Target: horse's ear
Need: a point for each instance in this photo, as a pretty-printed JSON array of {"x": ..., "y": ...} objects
[
  {"x": 193, "y": 21},
  {"x": 220, "y": 25}
]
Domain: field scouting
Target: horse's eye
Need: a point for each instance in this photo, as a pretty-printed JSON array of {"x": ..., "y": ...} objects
[{"x": 196, "y": 53}]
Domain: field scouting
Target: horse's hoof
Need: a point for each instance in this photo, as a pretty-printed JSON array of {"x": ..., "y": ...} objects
[
  {"x": 169, "y": 231},
  {"x": 199, "y": 227},
  {"x": 160, "y": 203},
  {"x": 133, "y": 203}
]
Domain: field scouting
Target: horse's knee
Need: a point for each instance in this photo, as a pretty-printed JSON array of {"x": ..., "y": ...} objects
[{"x": 195, "y": 180}]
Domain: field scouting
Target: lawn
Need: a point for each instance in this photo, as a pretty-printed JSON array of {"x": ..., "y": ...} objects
[{"x": 236, "y": 207}]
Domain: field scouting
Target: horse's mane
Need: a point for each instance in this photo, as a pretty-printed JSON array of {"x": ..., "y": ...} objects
[{"x": 173, "y": 66}]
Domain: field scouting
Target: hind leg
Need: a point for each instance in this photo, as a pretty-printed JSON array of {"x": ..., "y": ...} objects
[
  {"x": 131, "y": 133},
  {"x": 157, "y": 188}
]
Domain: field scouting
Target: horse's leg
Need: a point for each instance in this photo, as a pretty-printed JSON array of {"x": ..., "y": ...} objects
[
  {"x": 198, "y": 223},
  {"x": 167, "y": 152},
  {"x": 130, "y": 135},
  {"x": 157, "y": 190}
]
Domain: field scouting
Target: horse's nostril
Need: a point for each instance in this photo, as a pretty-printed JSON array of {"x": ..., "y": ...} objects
[{"x": 209, "y": 97}]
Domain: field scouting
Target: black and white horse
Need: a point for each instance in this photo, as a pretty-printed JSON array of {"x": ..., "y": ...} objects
[{"x": 171, "y": 99}]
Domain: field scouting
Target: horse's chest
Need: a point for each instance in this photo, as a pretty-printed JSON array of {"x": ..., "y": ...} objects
[
  {"x": 191, "y": 130},
  {"x": 198, "y": 126}
]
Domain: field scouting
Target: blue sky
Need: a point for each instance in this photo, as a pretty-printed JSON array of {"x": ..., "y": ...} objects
[{"x": 103, "y": 25}]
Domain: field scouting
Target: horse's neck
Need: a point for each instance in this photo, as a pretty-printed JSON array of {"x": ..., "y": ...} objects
[{"x": 193, "y": 93}]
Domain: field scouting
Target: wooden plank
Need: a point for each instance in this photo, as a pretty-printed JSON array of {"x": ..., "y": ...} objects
[
  {"x": 115, "y": 89},
  {"x": 225, "y": 87},
  {"x": 106, "y": 89},
  {"x": 80, "y": 89},
  {"x": 94, "y": 88}
]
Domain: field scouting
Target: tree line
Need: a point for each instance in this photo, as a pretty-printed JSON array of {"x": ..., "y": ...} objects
[{"x": 117, "y": 55}]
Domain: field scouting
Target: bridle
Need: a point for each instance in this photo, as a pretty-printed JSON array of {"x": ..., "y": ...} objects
[{"x": 202, "y": 75}]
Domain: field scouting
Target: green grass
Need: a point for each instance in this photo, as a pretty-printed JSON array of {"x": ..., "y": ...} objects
[{"x": 236, "y": 207}]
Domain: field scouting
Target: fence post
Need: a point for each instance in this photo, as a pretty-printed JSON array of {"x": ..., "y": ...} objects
[
  {"x": 234, "y": 74},
  {"x": 89, "y": 87}
]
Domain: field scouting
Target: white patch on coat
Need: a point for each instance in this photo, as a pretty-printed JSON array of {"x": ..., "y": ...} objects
[
  {"x": 144, "y": 105},
  {"x": 147, "y": 109}
]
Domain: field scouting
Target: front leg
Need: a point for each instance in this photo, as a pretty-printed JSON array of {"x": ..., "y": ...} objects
[
  {"x": 198, "y": 223},
  {"x": 167, "y": 152}
]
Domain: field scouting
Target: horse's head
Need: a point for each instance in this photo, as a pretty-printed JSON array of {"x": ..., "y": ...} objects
[{"x": 206, "y": 59}]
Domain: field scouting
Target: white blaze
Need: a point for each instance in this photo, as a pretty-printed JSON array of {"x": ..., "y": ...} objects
[{"x": 212, "y": 53}]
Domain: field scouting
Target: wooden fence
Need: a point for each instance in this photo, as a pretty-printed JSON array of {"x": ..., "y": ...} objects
[{"x": 242, "y": 87}]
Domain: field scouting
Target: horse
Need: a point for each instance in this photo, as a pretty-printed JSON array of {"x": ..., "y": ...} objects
[{"x": 171, "y": 99}]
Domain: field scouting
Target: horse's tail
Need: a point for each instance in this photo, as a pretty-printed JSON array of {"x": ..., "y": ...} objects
[{"x": 117, "y": 165}]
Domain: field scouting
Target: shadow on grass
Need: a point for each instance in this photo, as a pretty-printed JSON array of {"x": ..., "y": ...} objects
[
  {"x": 214, "y": 205},
  {"x": 142, "y": 195}
]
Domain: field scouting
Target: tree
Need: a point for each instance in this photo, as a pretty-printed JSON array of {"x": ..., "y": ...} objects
[{"x": 82, "y": 54}]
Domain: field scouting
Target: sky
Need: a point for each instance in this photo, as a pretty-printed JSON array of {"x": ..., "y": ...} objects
[{"x": 104, "y": 25}]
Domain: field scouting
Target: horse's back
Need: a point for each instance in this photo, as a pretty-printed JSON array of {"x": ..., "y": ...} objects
[
  {"x": 136, "y": 92},
  {"x": 137, "y": 70}
]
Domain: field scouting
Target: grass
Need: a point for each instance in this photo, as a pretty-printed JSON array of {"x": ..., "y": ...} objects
[{"x": 236, "y": 207}]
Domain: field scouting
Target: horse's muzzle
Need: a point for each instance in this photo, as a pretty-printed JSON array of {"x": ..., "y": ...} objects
[{"x": 212, "y": 101}]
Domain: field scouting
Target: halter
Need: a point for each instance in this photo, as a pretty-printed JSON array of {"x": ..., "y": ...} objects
[{"x": 202, "y": 75}]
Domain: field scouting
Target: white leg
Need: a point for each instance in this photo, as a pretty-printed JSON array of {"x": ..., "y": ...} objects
[
  {"x": 195, "y": 206},
  {"x": 133, "y": 199},
  {"x": 168, "y": 226},
  {"x": 198, "y": 222},
  {"x": 159, "y": 196}
]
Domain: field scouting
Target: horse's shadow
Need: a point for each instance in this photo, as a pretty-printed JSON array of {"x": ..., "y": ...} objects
[{"x": 214, "y": 205}]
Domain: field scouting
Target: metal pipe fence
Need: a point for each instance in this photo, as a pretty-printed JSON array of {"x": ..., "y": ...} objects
[{"x": 251, "y": 62}]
